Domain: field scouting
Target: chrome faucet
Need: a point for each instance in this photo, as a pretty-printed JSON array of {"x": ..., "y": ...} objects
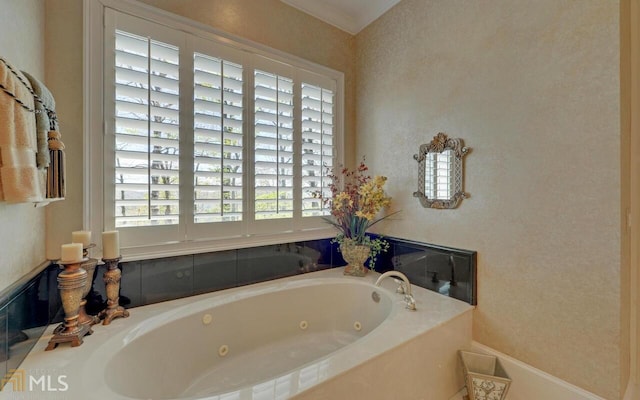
[{"x": 406, "y": 287}]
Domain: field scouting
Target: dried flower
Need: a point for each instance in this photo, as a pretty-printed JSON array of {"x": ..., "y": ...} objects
[{"x": 356, "y": 200}]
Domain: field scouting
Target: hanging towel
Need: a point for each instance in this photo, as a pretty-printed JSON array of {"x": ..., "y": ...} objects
[
  {"x": 44, "y": 108},
  {"x": 20, "y": 180}
]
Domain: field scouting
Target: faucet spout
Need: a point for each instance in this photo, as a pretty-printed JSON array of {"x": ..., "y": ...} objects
[{"x": 408, "y": 297}]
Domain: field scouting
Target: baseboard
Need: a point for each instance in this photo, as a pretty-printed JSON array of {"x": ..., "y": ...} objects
[{"x": 531, "y": 383}]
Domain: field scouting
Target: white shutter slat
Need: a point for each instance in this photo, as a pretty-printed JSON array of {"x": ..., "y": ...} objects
[
  {"x": 201, "y": 146},
  {"x": 274, "y": 142},
  {"x": 139, "y": 187},
  {"x": 130, "y": 42},
  {"x": 126, "y": 75},
  {"x": 230, "y": 83},
  {"x": 144, "y": 156},
  {"x": 169, "y": 115},
  {"x": 217, "y": 202},
  {"x": 123, "y": 139},
  {"x": 226, "y": 162},
  {"x": 131, "y": 91},
  {"x": 143, "y": 202},
  {"x": 161, "y": 84},
  {"x": 141, "y": 220},
  {"x": 213, "y": 191},
  {"x": 146, "y": 172},
  {"x": 210, "y": 122},
  {"x": 263, "y": 129},
  {"x": 163, "y": 51},
  {"x": 216, "y": 174}
]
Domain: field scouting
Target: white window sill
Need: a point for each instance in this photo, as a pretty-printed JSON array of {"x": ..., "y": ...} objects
[{"x": 205, "y": 246}]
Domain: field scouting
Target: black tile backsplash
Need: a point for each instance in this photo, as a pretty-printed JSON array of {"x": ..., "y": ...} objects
[
  {"x": 214, "y": 271},
  {"x": 130, "y": 284},
  {"x": 445, "y": 270},
  {"x": 270, "y": 262},
  {"x": 130, "y": 287},
  {"x": 166, "y": 278},
  {"x": 55, "y": 303},
  {"x": 4, "y": 346},
  {"x": 26, "y": 308}
]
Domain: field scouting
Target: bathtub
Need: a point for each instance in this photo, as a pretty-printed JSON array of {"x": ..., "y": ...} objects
[{"x": 314, "y": 336}]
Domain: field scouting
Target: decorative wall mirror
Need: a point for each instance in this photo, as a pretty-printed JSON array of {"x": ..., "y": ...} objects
[{"x": 441, "y": 172}]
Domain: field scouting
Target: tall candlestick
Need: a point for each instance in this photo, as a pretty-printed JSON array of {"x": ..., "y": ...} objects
[
  {"x": 83, "y": 237},
  {"x": 71, "y": 282},
  {"x": 112, "y": 278},
  {"x": 110, "y": 245},
  {"x": 71, "y": 252}
]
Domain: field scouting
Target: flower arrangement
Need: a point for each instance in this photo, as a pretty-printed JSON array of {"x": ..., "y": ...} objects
[{"x": 356, "y": 199}]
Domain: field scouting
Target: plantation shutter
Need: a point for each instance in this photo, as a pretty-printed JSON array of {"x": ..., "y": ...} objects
[
  {"x": 147, "y": 141},
  {"x": 273, "y": 146},
  {"x": 218, "y": 140},
  {"x": 205, "y": 139},
  {"x": 317, "y": 147}
]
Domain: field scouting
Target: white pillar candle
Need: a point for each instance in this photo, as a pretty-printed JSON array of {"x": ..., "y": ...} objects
[
  {"x": 71, "y": 252},
  {"x": 83, "y": 237},
  {"x": 110, "y": 245}
]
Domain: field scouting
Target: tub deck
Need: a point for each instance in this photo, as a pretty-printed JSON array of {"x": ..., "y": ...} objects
[{"x": 411, "y": 355}]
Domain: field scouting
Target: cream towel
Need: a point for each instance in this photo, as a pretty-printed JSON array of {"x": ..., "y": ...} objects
[
  {"x": 19, "y": 177},
  {"x": 46, "y": 105}
]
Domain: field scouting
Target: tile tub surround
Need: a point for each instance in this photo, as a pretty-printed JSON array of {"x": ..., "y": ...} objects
[
  {"x": 151, "y": 281},
  {"x": 393, "y": 352},
  {"x": 26, "y": 308},
  {"x": 32, "y": 303},
  {"x": 446, "y": 270}
]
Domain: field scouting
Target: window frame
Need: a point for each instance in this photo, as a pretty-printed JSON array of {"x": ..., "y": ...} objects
[{"x": 96, "y": 127}]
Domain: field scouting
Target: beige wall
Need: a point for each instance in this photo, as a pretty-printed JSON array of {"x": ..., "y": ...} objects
[
  {"x": 64, "y": 78},
  {"x": 631, "y": 88},
  {"x": 22, "y": 233},
  {"x": 533, "y": 88}
]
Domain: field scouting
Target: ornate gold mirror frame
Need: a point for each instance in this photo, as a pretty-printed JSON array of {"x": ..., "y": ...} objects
[{"x": 441, "y": 172}]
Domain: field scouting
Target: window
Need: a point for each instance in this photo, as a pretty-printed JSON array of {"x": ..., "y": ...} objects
[
  {"x": 273, "y": 145},
  {"x": 210, "y": 139},
  {"x": 218, "y": 139},
  {"x": 146, "y": 124},
  {"x": 317, "y": 146}
]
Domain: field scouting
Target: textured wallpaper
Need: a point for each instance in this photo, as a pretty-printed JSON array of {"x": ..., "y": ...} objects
[
  {"x": 22, "y": 227},
  {"x": 533, "y": 89}
]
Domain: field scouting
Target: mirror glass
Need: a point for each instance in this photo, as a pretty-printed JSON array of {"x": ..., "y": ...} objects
[{"x": 440, "y": 172}]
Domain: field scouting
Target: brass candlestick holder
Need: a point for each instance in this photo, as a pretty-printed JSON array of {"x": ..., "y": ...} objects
[
  {"x": 90, "y": 266},
  {"x": 112, "y": 284},
  {"x": 71, "y": 283}
]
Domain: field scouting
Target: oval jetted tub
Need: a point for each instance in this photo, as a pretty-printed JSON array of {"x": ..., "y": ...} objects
[{"x": 294, "y": 337}]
